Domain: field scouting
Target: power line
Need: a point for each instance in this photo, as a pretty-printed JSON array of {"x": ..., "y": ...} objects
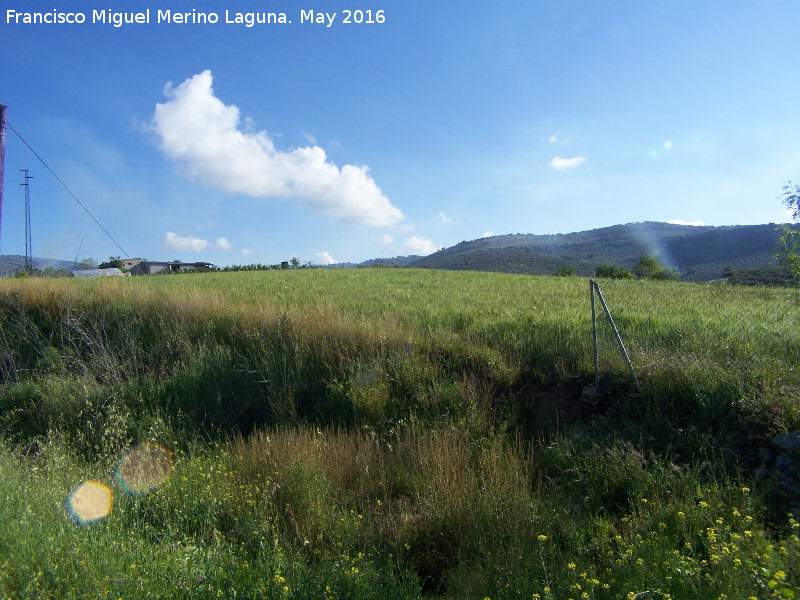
[{"x": 69, "y": 191}]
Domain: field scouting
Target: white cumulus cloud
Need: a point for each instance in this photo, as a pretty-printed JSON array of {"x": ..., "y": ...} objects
[
  {"x": 185, "y": 244},
  {"x": 248, "y": 252},
  {"x": 562, "y": 164},
  {"x": 553, "y": 139},
  {"x": 488, "y": 234},
  {"x": 206, "y": 138},
  {"x": 419, "y": 245},
  {"x": 223, "y": 244},
  {"x": 386, "y": 239},
  {"x": 324, "y": 258}
]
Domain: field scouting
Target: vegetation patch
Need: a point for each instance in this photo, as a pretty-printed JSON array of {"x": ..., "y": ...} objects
[{"x": 398, "y": 433}]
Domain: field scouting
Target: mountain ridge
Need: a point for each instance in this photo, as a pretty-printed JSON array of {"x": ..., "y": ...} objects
[{"x": 700, "y": 253}]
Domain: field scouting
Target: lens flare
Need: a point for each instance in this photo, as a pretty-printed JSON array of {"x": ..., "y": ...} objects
[
  {"x": 145, "y": 468},
  {"x": 90, "y": 502}
]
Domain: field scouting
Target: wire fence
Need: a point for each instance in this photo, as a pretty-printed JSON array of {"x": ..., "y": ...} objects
[{"x": 715, "y": 331}]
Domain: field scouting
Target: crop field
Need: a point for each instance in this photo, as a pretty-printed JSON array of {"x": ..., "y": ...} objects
[{"x": 395, "y": 433}]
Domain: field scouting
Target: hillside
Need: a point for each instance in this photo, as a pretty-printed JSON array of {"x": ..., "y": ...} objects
[
  {"x": 395, "y": 261},
  {"x": 11, "y": 263},
  {"x": 699, "y": 253}
]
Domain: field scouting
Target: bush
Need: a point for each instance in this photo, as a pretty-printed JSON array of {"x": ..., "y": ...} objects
[
  {"x": 612, "y": 272},
  {"x": 565, "y": 271},
  {"x": 649, "y": 268}
]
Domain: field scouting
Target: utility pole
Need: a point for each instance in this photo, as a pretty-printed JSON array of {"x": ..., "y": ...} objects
[
  {"x": 2, "y": 155},
  {"x": 28, "y": 247}
]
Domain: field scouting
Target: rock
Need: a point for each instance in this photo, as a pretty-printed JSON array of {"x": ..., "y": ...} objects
[
  {"x": 788, "y": 442},
  {"x": 785, "y": 464},
  {"x": 591, "y": 395},
  {"x": 765, "y": 454}
]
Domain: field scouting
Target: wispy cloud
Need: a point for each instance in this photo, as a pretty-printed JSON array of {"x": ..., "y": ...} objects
[
  {"x": 205, "y": 137},
  {"x": 444, "y": 218},
  {"x": 553, "y": 139},
  {"x": 386, "y": 239},
  {"x": 247, "y": 252},
  {"x": 562, "y": 164},
  {"x": 679, "y": 222},
  {"x": 206, "y": 225},
  {"x": 419, "y": 245},
  {"x": 185, "y": 244},
  {"x": 324, "y": 258},
  {"x": 667, "y": 145},
  {"x": 193, "y": 244}
]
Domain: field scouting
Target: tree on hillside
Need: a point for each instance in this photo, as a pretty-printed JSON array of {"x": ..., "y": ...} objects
[
  {"x": 789, "y": 254},
  {"x": 649, "y": 268},
  {"x": 565, "y": 270}
]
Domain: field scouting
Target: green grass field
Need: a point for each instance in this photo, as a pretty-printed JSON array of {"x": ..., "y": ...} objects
[{"x": 396, "y": 433}]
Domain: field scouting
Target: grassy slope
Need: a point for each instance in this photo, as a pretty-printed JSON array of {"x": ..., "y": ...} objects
[{"x": 411, "y": 436}]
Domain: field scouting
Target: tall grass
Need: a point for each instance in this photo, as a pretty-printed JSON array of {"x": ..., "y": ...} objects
[{"x": 395, "y": 433}]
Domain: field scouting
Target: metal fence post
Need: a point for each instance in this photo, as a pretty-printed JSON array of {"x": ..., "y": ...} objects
[
  {"x": 594, "y": 337},
  {"x": 616, "y": 333}
]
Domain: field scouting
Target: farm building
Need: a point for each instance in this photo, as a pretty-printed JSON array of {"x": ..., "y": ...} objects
[
  {"x": 150, "y": 267},
  {"x": 129, "y": 263}
]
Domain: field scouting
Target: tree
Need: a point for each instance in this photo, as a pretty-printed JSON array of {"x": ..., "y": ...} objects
[
  {"x": 791, "y": 198},
  {"x": 789, "y": 253},
  {"x": 565, "y": 270},
  {"x": 612, "y": 272},
  {"x": 113, "y": 262},
  {"x": 87, "y": 263},
  {"x": 649, "y": 268}
]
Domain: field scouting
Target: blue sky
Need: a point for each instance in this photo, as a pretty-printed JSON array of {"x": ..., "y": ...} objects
[{"x": 446, "y": 122}]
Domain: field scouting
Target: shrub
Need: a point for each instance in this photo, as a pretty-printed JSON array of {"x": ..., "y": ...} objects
[
  {"x": 565, "y": 270},
  {"x": 649, "y": 268},
  {"x": 612, "y": 272}
]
